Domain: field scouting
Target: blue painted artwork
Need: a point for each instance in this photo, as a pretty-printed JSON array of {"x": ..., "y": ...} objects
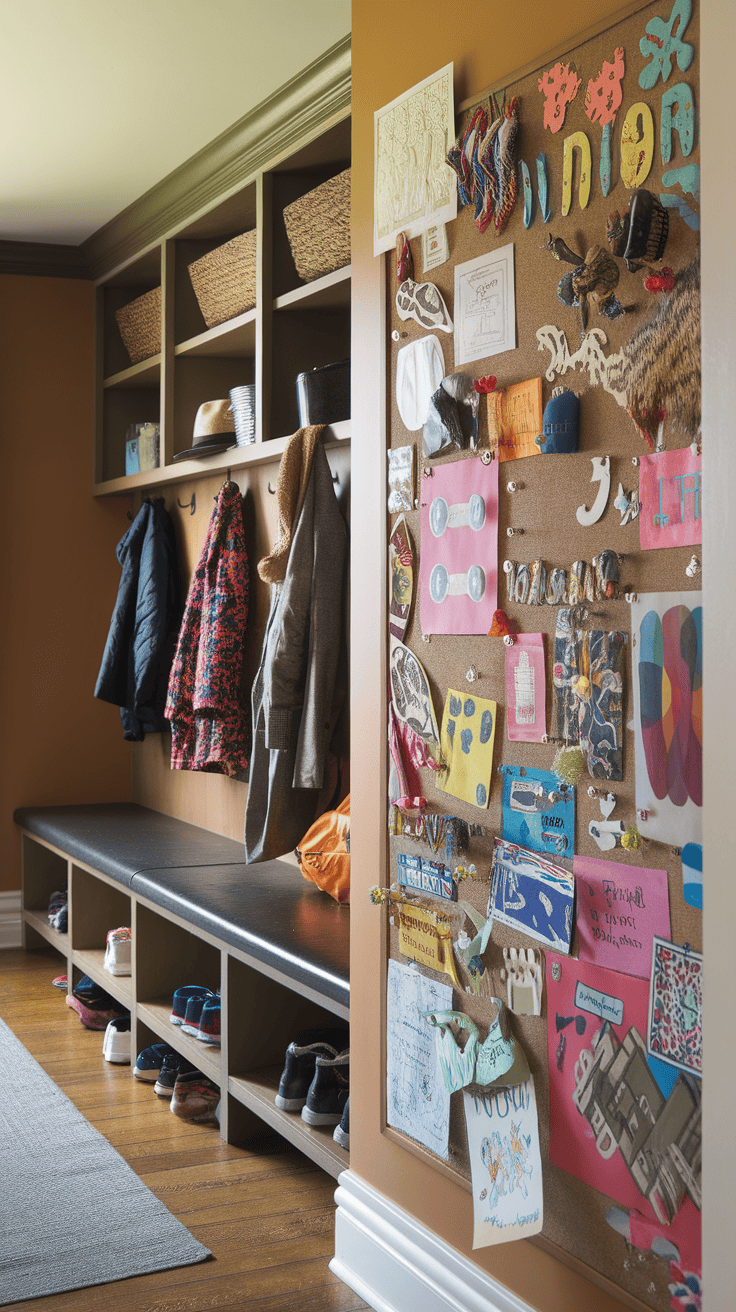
[
  {"x": 538, "y": 811},
  {"x": 532, "y": 895},
  {"x": 692, "y": 875},
  {"x": 426, "y": 876}
]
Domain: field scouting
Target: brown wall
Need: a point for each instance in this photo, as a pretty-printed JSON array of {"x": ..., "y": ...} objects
[
  {"x": 59, "y": 574},
  {"x": 394, "y": 47}
]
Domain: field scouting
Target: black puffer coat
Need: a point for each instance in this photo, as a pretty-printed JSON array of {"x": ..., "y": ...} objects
[{"x": 134, "y": 674}]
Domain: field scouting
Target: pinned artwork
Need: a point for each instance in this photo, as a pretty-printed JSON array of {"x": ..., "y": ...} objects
[
  {"x": 432, "y": 877},
  {"x": 602, "y": 102},
  {"x": 468, "y": 732},
  {"x": 410, "y": 693},
  {"x": 667, "y": 673},
  {"x": 675, "y": 1030},
  {"x": 458, "y": 568},
  {"x": 435, "y": 247},
  {"x": 671, "y": 496},
  {"x": 603, "y": 370},
  {"x": 526, "y": 719},
  {"x": 627, "y": 505},
  {"x": 559, "y": 86},
  {"x": 420, "y": 368},
  {"x": 514, "y": 419},
  {"x": 522, "y": 975},
  {"x": 678, "y": 115},
  {"x": 496, "y": 1062},
  {"x": 423, "y": 302},
  {"x": 538, "y": 811},
  {"x": 526, "y": 184},
  {"x": 620, "y": 909},
  {"x": 588, "y": 694},
  {"x": 663, "y": 42},
  {"x": 503, "y": 188},
  {"x": 560, "y": 423},
  {"x": 531, "y": 895},
  {"x": 417, "y": 1102},
  {"x": 470, "y": 950},
  {"x": 610, "y": 1124},
  {"x": 400, "y": 577},
  {"x": 401, "y": 478},
  {"x": 425, "y": 936},
  {"x": 413, "y": 185},
  {"x": 692, "y": 875},
  {"x": 593, "y": 280},
  {"x": 505, "y": 1164},
  {"x": 601, "y": 475},
  {"x": 637, "y": 145},
  {"x": 485, "y": 306},
  {"x": 576, "y": 141}
]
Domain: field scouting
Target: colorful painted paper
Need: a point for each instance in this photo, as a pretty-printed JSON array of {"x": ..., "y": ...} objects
[
  {"x": 425, "y": 936},
  {"x": 675, "y": 1029},
  {"x": 671, "y": 497},
  {"x": 401, "y": 577},
  {"x": 426, "y": 876},
  {"x": 414, "y": 187},
  {"x": 588, "y": 694},
  {"x": 417, "y": 1102},
  {"x": 458, "y": 572},
  {"x": 514, "y": 418},
  {"x": 667, "y": 661},
  {"x": 620, "y": 909},
  {"x": 595, "y": 1113},
  {"x": 526, "y": 697},
  {"x": 538, "y": 811},
  {"x": 692, "y": 875},
  {"x": 605, "y": 91},
  {"x": 532, "y": 895},
  {"x": 505, "y": 1164},
  {"x": 466, "y": 744}
]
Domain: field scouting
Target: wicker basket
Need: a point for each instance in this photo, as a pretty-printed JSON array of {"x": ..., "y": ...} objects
[
  {"x": 140, "y": 326},
  {"x": 224, "y": 280},
  {"x": 318, "y": 228}
]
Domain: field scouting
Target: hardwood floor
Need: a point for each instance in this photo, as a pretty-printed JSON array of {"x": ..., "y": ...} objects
[{"x": 265, "y": 1211}]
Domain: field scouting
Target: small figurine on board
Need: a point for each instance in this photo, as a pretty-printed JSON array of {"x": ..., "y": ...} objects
[
  {"x": 640, "y": 237},
  {"x": 594, "y": 278}
]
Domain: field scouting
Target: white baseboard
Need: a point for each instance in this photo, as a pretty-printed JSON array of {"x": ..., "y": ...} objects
[
  {"x": 396, "y": 1264},
  {"x": 10, "y": 922}
]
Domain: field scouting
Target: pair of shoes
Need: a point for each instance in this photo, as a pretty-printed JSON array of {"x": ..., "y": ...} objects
[
  {"x": 57, "y": 901},
  {"x": 60, "y": 982},
  {"x": 160, "y": 1065},
  {"x": 342, "y": 1131},
  {"x": 196, "y": 1009},
  {"x": 93, "y": 1005},
  {"x": 195, "y": 1098},
  {"x": 316, "y": 1066},
  {"x": 172, "y": 1066},
  {"x": 116, "y": 1043},
  {"x": 117, "y": 951}
]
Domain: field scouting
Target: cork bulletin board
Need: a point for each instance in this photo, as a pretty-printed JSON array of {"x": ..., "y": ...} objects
[{"x": 542, "y": 513}]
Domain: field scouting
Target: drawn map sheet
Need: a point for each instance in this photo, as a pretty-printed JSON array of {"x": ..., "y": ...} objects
[
  {"x": 505, "y": 1164},
  {"x": 417, "y": 1102},
  {"x": 414, "y": 187}
]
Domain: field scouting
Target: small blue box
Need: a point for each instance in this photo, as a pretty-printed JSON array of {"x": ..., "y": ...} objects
[{"x": 132, "y": 459}]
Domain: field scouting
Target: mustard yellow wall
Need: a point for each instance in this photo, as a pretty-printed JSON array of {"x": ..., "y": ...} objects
[{"x": 59, "y": 573}]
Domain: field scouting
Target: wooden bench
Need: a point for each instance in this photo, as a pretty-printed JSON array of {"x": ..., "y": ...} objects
[{"x": 273, "y": 943}]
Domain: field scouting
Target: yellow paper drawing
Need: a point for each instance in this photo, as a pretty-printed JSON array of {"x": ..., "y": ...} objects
[
  {"x": 467, "y": 736},
  {"x": 514, "y": 416},
  {"x": 425, "y": 936}
]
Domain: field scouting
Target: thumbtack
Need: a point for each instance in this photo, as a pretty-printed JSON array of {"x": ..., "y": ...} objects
[
  {"x": 695, "y": 448},
  {"x": 427, "y": 473},
  {"x": 693, "y": 568},
  {"x": 514, "y": 532},
  {"x": 486, "y": 457},
  {"x": 508, "y": 566},
  {"x": 643, "y": 814},
  {"x": 630, "y": 597},
  {"x": 514, "y": 487},
  {"x": 508, "y": 639},
  {"x": 472, "y": 674},
  {"x": 635, "y": 461}
]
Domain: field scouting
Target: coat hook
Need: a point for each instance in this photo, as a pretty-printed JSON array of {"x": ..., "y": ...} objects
[
  {"x": 191, "y": 506},
  {"x": 336, "y": 478},
  {"x": 272, "y": 490}
]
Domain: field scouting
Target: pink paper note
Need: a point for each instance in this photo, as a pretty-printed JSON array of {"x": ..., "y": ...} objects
[
  {"x": 619, "y": 910},
  {"x": 458, "y": 570},
  {"x": 572, "y": 1141},
  {"x": 526, "y": 720},
  {"x": 671, "y": 496}
]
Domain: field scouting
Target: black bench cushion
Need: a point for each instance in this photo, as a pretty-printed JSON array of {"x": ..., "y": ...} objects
[
  {"x": 122, "y": 838},
  {"x": 268, "y": 910}
]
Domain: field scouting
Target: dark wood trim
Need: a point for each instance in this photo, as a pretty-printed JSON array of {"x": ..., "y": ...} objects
[{"x": 43, "y": 259}]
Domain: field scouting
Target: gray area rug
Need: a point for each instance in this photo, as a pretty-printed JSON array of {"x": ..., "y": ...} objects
[{"x": 72, "y": 1212}]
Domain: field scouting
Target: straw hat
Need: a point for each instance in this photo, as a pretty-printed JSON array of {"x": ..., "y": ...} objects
[{"x": 214, "y": 430}]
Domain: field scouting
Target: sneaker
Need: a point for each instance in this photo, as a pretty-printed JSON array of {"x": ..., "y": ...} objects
[
  {"x": 209, "y": 1023},
  {"x": 181, "y": 998},
  {"x": 56, "y": 902},
  {"x": 342, "y": 1131},
  {"x": 116, "y": 1044},
  {"x": 172, "y": 1066},
  {"x": 117, "y": 952},
  {"x": 93, "y": 1005},
  {"x": 150, "y": 1061},
  {"x": 60, "y": 921},
  {"x": 60, "y": 982},
  {"x": 195, "y": 1097},
  {"x": 329, "y": 1090},
  {"x": 190, "y": 1023},
  {"x": 300, "y": 1063}
]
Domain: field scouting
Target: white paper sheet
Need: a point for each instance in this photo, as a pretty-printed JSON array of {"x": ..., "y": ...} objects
[
  {"x": 485, "y": 306},
  {"x": 417, "y": 1102},
  {"x": 413, "y": 186},
  {"x": 505, "y": 1164}
]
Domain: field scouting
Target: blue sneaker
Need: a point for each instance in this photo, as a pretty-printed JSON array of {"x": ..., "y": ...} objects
[
  {"x": 172, "y": 1067},
  {"x": 181, "y": 998},
  {"x": 150, "y": 1060},
  {"x": 209, "y": 1022},
  {"x": 190, "y": 1023}
]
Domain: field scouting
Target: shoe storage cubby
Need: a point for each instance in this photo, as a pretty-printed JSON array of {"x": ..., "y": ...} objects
[
  {"x": 44, "y": 872},
  {"x": 168, "y": 955},
  {"x": 97, "y": 905}
]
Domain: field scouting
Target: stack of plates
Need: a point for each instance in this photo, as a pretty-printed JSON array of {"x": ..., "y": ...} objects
[{"x": 243, "y": 403}]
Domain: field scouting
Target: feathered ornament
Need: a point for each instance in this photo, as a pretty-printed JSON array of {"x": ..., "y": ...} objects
[
  {"x": 504, "y": 165},
  {"x": 460, "y": 156}
]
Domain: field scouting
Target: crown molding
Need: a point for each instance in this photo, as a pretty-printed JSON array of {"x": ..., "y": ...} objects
[
  {"x": 42, "y": 259},
  {"x": 295, "y": 112}
]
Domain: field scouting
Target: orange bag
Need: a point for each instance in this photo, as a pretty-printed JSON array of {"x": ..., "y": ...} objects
[{"x": 324, "y": 852}]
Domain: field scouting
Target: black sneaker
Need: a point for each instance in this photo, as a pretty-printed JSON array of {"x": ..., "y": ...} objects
[
  {"x": 172, "y": 1066},
  {"x": 300, "y": 1063},
  {"x": 329, "y": 1090},
  {"x": 342, "y": 1131}
]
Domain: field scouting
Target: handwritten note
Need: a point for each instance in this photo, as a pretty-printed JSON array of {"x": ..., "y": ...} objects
[
  {"x": 505, "y": 1164},
  {"x": 515, "y": 419},
  {"x": 620, "y": 908},
  {"x": 417, "y": 1102}
]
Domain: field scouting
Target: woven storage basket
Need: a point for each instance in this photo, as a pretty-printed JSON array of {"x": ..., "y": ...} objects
[
  {"x": 224, "y": 280},
  {"x": 140, "y": 326},
  {"x": 318, "y": 228}
]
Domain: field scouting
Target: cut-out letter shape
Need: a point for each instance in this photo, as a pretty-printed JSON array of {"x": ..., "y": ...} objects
[
  {"x": 682, "y": 120},
  {"x": 692, "y": 875},
  {"x": 605, "y": 92},
  {"x": 559, "y": 86},
  {"x": 576, "y": 139},
  {"x": 526, "y": 183},
  {"x": 637, "y": 145},
  {"x": 663, "y": 42},
  {"x": 601, "y": 474},
  {"x": 543, "y": 188},
  {"x": 687, "y": 177},
  {"x": 688, "y": 215}
]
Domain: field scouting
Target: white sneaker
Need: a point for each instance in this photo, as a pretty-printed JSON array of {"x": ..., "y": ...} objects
[
  {"x": 116, "y": 1043},
  {"x": 117, "y": 952}
]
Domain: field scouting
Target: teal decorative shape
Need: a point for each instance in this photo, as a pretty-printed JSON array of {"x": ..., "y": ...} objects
[
  {"x": 663, "y": 43},
  {"x": 605, "y": 165},
  {"x": 679, "y": 203},
  {"x": 683, "y": 120},
  {"x": 526, "y": 183},
  {"x": 687, "y": 177},
  {"x": 543, "y": 188}
]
